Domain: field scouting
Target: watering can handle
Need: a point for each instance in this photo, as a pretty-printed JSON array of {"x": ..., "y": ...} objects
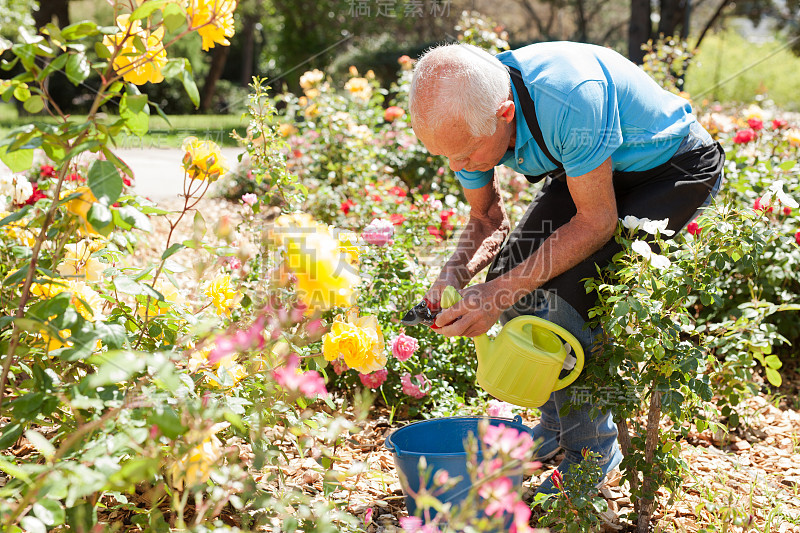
[{"x": 564, "y": 334}]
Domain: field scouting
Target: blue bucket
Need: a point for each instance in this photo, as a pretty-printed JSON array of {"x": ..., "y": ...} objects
[{"x": 441, "y": 442}]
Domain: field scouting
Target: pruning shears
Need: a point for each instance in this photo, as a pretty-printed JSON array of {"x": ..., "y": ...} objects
[{"x": 423, "y": 313}]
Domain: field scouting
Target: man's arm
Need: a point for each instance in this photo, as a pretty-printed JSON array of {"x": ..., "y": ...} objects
[
  {"x": 590, "y": 228},
  {"x": 480, "y": 241}
]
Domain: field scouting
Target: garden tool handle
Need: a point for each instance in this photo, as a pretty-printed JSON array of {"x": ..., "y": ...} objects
[{"x": 565, "y": 335}]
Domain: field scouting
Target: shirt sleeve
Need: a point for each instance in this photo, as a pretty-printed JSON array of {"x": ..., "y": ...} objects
[
  {"x": 474, "y": 180},
  {"x": 589, "y": 128}
]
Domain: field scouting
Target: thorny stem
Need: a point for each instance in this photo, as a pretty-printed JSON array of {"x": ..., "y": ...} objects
[
  {"x": 188, "y": 194},
  {"x": 645, "y": 504}
]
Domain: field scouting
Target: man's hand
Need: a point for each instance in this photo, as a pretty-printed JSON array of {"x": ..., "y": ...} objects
[{"x": 473, "y": 315}]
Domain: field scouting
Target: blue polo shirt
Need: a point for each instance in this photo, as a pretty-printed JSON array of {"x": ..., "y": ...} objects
[{"x": 592, "y": 104}]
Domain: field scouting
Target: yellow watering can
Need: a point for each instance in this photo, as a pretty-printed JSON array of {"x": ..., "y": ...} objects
[{"x": 522, "y": 364}]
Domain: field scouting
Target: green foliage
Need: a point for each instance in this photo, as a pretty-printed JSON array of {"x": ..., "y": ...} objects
[
  {"x": 576, "y": 506},
  {"x": 666, "y": 60}
]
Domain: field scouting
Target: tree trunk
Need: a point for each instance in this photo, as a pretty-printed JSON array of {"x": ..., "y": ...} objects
[
  {"x": 647, "y": 502},
  {"x": 639, "y": 30},
  {"x": 711, "y": 22},
  {"x": 218, "y": 58},
  {"x": 248, "y": 47},
  {"x": 49, "y": 9}
]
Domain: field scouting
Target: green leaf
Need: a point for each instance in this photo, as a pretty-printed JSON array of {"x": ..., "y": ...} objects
[
  {"x": 147, "y": 9},
  {"x": 773, "y": 376},
  {"x": 41, "y": 444},
  {"x": 134, "y": 471},
  {"x": 21, "y": 92},
  {"x": 13, "y": 470},
  {"x": 34, "y": 104},
  {"x": 82, "y": 517},
  {"x": 773, "y": 361},
  {"x": 168, "y": 422},
  {"x": 112, "y": 335},
  {"x": 134, "y": 110},
  {"x": 56, "y": 64},
  {"x": 172, "y": 250},
  {"x": 174, "y": 16},
  {"x": 105, "y": 183},
  {"x": 118, "y": 366},
  {"x": 102, "y": 50},
  {"x": 31, "y": 524},
  {"x": 135, "y": 218},
  {"x": 18, "y": 160},
  {"x": 190, "y": 87},
  {"x": 16, "y": 215},
  {"x": 127, "y": 285},
  {"x": 50, "y": 512},
  {"x": 79, "y": 30},
  {"x": 99, "y": 216},
  {"x": 787, "y": 165},
  {"x": 78, "y": 68}
]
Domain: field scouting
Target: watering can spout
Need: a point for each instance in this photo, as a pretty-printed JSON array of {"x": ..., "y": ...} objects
[{"x": 483, "y": 345}]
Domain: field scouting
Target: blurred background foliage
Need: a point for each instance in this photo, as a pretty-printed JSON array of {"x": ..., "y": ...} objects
[{"x": 280, "y": 39}]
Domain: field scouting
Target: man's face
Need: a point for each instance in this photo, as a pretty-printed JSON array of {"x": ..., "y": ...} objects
[{"x": 466, "y": 152}]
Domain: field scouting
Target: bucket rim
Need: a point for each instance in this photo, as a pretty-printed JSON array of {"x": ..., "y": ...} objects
[{"x": 389, "y": 443}]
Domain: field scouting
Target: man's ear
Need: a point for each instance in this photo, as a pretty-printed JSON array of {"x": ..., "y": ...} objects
[{"x": 506, "y": 111}]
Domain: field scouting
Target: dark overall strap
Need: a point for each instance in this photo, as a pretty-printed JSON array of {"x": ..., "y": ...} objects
[{"x": 529, "y": 112}]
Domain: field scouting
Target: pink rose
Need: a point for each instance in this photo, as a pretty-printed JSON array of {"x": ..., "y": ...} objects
[
  {"x": 379, "y": 232},
  {"x": 499, "y": 409},
  {"x": 414, "y": 390},
  {"x": 404, "y": 346},
  {"x": 339, "y": 366},
  {"x": 778, "y": 123},
  {"x": 249, "y": 198},
  {"x": 375, "y": 379}
]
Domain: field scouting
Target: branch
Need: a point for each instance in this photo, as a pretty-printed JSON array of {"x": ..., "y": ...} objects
[{"x": 711, "y": 22}]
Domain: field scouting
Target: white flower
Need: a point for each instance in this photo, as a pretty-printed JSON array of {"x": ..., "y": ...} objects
[
  {"x": 657, "y": 226},
  {"x": 645, "y": 224},
  {"x": 630, "y": 222},
  {"x": 658, "y": 261},
  {"x": 776, "y": 189},
  {"x": 450, "y": 200},
  {"x": 16, "y": 187}
]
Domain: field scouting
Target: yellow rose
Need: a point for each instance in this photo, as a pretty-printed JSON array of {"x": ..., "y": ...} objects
[
  {"x": 222, "y": 295},
  {"x": 358, "y": 340},
  {"x": 196, "y": 465},
  {"x": 311, "y": 78},
  {"x": 793, "y": 136},
  {"x": 359, "y": 87},
  {"x": 78, "y": 261},
  {"x": 323, "y": 269},
  {"x": 80, "y": 208},
  {"x": 286, "y": 130},
  {"x": 213, "y": 20},
  {"x": 135, "y": 65},
  {"x": 203, "y": 159}
]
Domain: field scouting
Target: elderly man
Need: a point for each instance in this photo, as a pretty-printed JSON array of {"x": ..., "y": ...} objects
[{"x": 606, "y": 140}]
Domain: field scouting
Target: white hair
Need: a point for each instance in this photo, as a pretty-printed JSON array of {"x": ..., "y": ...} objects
[{"x": 458, "y": 81}]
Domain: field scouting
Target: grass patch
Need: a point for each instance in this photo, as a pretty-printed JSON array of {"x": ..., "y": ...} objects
[
  {"x": 215, "y": 128},
  {"x": 731, "y": 69}
]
